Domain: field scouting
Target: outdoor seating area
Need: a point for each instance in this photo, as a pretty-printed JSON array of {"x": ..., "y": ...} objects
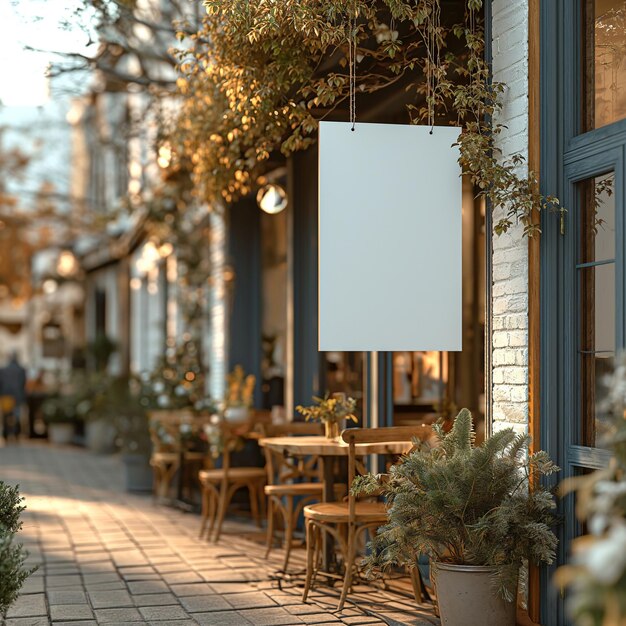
[
  {"x": 107, "y": 556},
  {"x": 300, "y": 491}
]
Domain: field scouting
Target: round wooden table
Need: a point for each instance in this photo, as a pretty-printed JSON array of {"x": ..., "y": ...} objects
[{"x": 327, "y": 450}]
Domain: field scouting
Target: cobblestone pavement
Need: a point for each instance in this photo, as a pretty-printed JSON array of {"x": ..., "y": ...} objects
[{"x": 107, "y": 557}]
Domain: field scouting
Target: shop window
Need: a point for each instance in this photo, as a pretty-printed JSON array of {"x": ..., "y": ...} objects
[
  {"x": 604, "y": 63},
  {"x": 596, "y": 280}
]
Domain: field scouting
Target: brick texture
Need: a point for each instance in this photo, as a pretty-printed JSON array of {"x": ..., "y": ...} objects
[{"x": 510, "y": 251}]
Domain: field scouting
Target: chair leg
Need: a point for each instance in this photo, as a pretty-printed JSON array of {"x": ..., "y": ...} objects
[
  {"x": 270, "y": 526},
  {"x": 155, "y": 484},
  {"x": 289, "y": 524},
  {"x": 221, "y": 510},
  {"x": 310, "y": 550},
  {"x": 254, "y": 503},
  {"x": 212, "y": 514},
  {"x": 350, "y": 556},
  {"x": 416, "y": 582},
  {"x": 262, "y": 499},
  {"x": 205, "y": 511}
]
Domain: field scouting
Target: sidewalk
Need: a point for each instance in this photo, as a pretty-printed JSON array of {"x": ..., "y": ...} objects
[{"x": 107, "y": 557}]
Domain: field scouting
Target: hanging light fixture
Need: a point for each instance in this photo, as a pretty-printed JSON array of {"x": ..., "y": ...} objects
[
  {"x": 67, "y": 264},
  {"x": 272, "y": 198}
]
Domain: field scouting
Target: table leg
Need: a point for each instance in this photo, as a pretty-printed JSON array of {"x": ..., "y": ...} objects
[{"x": 328, "y": 495}]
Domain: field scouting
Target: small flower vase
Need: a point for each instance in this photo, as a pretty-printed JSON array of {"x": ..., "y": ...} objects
[{"x": 331, "y": 430}]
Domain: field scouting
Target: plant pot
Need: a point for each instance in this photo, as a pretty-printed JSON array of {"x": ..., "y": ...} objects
[
  {"x": 60, "y": 433},
  {"x": 137, "y": 472},
  {"x": 100, "y": 436},
  {"x": 331, "y": 430},
  {"x": 467, "y": 597},
  {"x": 236, "y": 414}
]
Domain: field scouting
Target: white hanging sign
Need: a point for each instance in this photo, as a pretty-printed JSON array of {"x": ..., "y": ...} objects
[{"x": 389, "y": 238}]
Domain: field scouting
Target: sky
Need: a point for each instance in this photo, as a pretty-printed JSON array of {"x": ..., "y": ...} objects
[{"x": 35, "y": 23}]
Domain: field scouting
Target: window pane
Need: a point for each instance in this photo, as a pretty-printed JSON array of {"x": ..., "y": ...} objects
[
  {"x": 420, "y": 378},
  {"x": 597, "y": 308},
  {"x": 604, "y": 62},
  {"x": 597, "y": 215},
  {"x": 595, "y": 422}
]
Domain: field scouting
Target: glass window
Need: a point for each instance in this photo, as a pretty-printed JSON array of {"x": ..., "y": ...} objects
[
  {"x": 596, "y": 278},
  {"x": 604, "y": 62},
  {"x": 343, "y": 372}
]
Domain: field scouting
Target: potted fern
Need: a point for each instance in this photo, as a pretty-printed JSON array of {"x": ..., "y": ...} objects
[{"x": 469, "y": 508}]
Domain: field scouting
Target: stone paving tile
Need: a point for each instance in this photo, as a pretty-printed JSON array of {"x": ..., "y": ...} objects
[
  {"x": 201, "y": 604},
  {"x": 179, "y": 578},
  {"x": 110, "y": 599},
  {"x": 163, "y": 612},
  {"x": 32, "y": 605},
  {"x": 270, "y": 617},
  {"x": 172, "y": 622},
  {"x": 194, "y": 589},
  {"x": 67, "y": 597},
  {"x": 148, "y": 586},
  {"x": 118, "y": 616},
  {"x": 63, "y": 581},
  {"x": 319, "y": 618},
  {"x": 223, "y": 618},
  {"x": 155, "y": 599},
  {"x": 65, "y": 612},
  {"x": 255, "y": 599},
  {"x": 107, "y": 557}
]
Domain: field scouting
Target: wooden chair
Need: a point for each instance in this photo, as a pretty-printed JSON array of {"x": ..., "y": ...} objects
[
  {"x": 220, "y": 484},
  {"x": 347, "y": 521},
  {"x": 291, "y": 483},
  {"x": 166, "y": 458}
]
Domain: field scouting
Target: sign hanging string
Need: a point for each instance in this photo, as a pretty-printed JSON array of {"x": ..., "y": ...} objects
[{"x": 352, "y": 54}]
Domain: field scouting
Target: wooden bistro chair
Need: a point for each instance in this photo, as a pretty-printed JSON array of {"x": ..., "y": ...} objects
[
  {"x": 166, "y": 458},
  {"x": 291, "y": 483},
  {"x": 220, "y": 484},
  {"x": 347, "y": 521}
]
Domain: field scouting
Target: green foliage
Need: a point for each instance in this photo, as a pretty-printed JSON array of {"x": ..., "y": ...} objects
[
  {"x": 13, "y": 571},
  {"x": 88, "y": 396},
  {"x": 11, "y": 508},
  {"x": 466, "y": 504},
  {"x": 177, "y": 380},
  {"x": 258, "y": 76},
  {"x": 595, "y": 578},
  {"x": 329, "y": 409}
]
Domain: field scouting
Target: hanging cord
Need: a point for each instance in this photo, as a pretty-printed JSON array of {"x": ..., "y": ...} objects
[
  {"x": 433, "y": 60},
  {"x": 352, "y": 54}
]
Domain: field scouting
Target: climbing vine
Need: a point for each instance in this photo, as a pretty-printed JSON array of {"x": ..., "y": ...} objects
[{"x": 258, "y": 77}]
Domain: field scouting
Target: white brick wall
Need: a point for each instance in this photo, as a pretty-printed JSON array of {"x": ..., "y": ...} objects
[{"x": 510, "y": 251}]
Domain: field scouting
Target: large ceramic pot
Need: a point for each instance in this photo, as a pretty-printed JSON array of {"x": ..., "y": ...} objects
[
  {"x": 60, "y": 433},
  {"x": 467, "y": 597},
  {"x": 100, "y": 436},
  {"x": 137, "y": 472}
]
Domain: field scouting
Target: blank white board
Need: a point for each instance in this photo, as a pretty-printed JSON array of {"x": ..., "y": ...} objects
[{"x": 390, "y": 268}]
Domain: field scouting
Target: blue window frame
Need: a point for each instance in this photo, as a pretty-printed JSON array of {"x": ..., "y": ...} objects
[{"x": 579, "y": 329}]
